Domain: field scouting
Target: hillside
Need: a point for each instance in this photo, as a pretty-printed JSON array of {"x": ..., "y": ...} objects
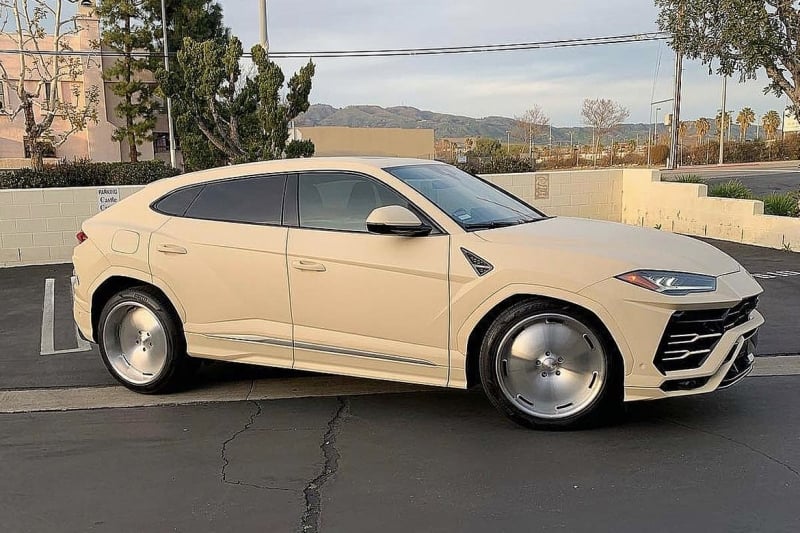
[{"x": 444, "y": 125}]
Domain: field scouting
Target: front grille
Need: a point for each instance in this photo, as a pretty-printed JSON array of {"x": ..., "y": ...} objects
[{"x": 692, "y": 335}]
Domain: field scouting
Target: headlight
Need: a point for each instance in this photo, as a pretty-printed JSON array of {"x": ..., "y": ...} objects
[{"x": 671, "y": 283}]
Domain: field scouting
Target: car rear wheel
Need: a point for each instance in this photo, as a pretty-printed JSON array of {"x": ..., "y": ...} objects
[
  {"x": 546, "y": 364},
  {"x": 142, "y": 343}
]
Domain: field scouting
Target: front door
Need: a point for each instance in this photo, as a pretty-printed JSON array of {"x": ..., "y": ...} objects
[
  {"x": 224, "y": 258},
  {"x": 363, "y": 304}
]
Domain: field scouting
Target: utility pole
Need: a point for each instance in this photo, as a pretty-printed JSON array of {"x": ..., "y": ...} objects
[
  {"x": 722, "y": 121},
  {"x": 262, "y": 4},
  {"x": 676, "y": 111},
  {"x": 173, "y": 156},
  {"x": 508, "y": 142}
]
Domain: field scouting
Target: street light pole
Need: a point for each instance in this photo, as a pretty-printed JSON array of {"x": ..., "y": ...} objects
[
  {"x": 722, "y": 121},
  {"x": 173, "y": 156}
]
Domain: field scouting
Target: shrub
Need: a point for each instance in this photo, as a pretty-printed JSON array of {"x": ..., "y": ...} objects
[
  {"x": 659, "y": 154},
  {"x": 781, "y": 204},
  {"x": 730, "y": 189},
  {"x": 688, "y": 178},
  {"x": 495, "y": 165},
  {"x": 84, "y": 173}
]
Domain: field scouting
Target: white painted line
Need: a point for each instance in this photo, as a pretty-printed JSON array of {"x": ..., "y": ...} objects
[
  {"x": 47, "y": 346},
  {"x": 48, "y": 317}
]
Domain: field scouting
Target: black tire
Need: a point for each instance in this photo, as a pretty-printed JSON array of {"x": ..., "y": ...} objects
[
  {"x": 177, "y": 367},
  {"x": 602, "y": 409}
]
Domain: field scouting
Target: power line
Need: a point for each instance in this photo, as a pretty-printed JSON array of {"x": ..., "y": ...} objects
[{"x": 395, "y": 52}]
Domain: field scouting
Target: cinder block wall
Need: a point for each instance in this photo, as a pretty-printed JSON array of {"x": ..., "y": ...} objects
[
  {"x": 582, "y": 193},
  {"x": 38, "y": 226},
  {"x": 686, "y": 208}
]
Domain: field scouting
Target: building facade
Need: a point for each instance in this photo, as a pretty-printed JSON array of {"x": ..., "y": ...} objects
[
  {"x": 94, "y": 142},
  {"x": 381, "y": 142}
]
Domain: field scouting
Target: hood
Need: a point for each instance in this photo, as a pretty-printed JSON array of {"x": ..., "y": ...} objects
[{"x": 617, "y": 247}]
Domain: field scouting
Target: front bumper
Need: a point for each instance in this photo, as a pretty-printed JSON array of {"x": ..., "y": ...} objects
[{"x": 642, "y": 319}]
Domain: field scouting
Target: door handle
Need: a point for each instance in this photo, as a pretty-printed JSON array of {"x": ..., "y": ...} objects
[
  {"x": 308, "y": 265},
  {"x": 171, "y": 249}
]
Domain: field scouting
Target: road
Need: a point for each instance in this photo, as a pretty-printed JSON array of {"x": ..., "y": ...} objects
[
  {"x": 762, "y": 179},
  {"x": 347, "y": 455}
]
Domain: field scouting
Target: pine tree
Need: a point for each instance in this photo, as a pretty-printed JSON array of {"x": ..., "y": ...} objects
[
  {"x": 202, "y": 21},
  {"x": 128, "y": 31}
]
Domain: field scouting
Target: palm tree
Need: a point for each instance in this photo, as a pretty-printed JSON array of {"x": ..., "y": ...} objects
[
  {"x": 771, "y": 122},
  {"x": 725, "y": 125},
  {"x": 746, "y": 117},
  {"x": 701, "y": 126}
]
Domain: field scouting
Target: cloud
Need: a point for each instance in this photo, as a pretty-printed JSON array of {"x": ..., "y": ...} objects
[{"x": 494, "y": 83}]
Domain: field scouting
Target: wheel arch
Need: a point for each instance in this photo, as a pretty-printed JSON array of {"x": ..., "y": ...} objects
[
  {"x": 479, "y": 329},
  {"x": 119, "y": 281}
]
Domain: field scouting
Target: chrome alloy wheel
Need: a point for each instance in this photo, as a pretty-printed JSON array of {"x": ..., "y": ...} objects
[
  {"x": 135, "y": 342},
  {"x": 551, "y": 366}
]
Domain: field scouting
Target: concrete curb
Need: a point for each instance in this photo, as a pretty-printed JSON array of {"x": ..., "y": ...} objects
[{"x": 86, "y": 398}]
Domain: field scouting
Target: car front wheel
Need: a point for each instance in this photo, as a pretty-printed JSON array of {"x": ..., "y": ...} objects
[
  {"x": 142, "y": 343},
  {"x": 546, "y": 364}
]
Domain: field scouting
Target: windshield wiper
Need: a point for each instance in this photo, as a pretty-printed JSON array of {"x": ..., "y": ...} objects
[{"x": 493, "y": 224}]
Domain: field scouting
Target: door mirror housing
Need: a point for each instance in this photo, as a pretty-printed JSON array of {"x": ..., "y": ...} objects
[{"x": 396, "y": 220}]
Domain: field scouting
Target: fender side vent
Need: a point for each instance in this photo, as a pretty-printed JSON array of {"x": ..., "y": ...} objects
[{"x": 480, "y": 265}]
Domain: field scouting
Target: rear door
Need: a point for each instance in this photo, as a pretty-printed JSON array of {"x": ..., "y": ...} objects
[{"x": 223, "y": 254}]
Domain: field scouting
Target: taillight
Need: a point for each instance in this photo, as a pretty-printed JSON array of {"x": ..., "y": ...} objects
[{"x": 81, "y": 236}]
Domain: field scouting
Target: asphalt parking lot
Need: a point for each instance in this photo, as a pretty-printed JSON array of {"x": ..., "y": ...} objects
[
  {"x": 762, "y": 179},
  {"x": 367, "y": 456}
]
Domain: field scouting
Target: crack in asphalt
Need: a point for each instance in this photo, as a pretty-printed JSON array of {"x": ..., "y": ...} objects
[
  {"x": 311, "y": 516},
  {"x": 226, "y": 461},
  {"x": 763, "y": 454}
]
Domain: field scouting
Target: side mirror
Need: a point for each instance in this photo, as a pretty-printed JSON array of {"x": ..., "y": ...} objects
[{"x": 396, "y": 220}]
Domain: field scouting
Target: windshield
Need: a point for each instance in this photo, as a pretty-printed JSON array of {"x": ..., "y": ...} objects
[{"x": 470, "y": 201}]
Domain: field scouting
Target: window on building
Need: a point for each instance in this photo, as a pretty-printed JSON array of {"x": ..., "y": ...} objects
[
  {"x": 160, "y": 143},
  {"x": 340, "y": 201},
  {"x": 48, "y": 88},
  {"x": 49, "y": 150},
  {"x": 257, "y": 200},
  {"x": 2, "y": 98}
]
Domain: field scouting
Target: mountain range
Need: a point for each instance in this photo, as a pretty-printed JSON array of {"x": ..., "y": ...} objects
[{"x": 450, "y": 126}]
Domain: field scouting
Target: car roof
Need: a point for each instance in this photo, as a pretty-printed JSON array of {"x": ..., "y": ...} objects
[{"x": 357, "y": 164}]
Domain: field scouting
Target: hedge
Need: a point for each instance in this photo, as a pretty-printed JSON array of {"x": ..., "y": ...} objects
[{"x": 83, "y": 173}]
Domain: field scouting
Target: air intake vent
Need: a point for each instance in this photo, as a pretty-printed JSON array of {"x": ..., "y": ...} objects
[
  {"x": 479, "y": 265},
  {"x": 692, "y": 335}
]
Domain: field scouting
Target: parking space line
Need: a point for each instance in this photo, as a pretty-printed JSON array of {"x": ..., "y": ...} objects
[{"x": 47, "y": 346}]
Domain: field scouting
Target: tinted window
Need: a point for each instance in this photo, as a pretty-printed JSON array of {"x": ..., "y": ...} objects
[
  {"x": 342, "y": 201},
  {"x": 252, "y": 200},
  {"x": 178, "y": 202},
  {"x": 468, "y": 200}
]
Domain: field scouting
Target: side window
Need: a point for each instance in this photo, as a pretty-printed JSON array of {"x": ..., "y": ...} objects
[
  {"x": 176, "y": 203},
  {"x": 340, "y": 201},
  {"x": 257, "y": 200}
]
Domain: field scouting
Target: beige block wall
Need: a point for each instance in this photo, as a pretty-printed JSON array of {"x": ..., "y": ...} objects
[
  {"x": 38, "y": 226},
  {"x": 686, "y": 208},
  {"x": 583, "y": 193},
  {"x": 384, "y": 142}
]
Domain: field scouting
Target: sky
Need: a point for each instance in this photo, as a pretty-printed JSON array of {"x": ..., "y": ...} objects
[{"x": 498, "y": 83}]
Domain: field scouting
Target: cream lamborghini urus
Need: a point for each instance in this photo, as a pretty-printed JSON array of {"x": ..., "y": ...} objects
[{"x": 408, "y": 270}]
